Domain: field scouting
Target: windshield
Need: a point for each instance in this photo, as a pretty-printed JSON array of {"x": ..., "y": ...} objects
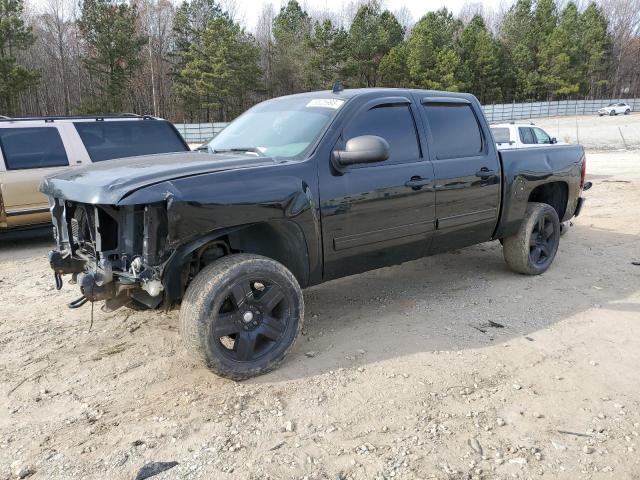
[{"x": 280, "y": 128}]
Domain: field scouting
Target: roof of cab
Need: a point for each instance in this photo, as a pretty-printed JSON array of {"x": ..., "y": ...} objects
[{"x": 354, "y": 92}]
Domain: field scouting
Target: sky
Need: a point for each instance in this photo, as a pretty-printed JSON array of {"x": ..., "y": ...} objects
[{"x": 248, "y": 10}]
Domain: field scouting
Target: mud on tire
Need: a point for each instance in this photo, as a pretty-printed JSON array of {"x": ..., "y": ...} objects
[{"x": 241, "y": 314}]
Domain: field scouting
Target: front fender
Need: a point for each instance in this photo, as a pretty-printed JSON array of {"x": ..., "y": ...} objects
[{"x": 278, "y": 209}]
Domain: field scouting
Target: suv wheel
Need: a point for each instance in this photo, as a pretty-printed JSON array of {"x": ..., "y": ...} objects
[
  {"x": 627, "y": 111},
  {"x": 531, "y": 251},
  {"x": 241, "y": 314}
]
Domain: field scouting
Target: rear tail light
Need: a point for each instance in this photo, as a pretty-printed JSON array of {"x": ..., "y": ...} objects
[{"x": 583, "y": 173}]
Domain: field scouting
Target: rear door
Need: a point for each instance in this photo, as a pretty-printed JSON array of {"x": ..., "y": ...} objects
[
  {"x": 29, "y": 154},
  {"x": 467, "y": 173},
  {"x": 382, "y": 213}
]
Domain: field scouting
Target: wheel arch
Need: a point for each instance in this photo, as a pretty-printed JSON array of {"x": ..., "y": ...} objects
[
  {"x": 555, "y": 194},
  {"x": 281, "y": 240}
]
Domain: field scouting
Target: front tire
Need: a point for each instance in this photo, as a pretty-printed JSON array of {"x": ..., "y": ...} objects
[
  {"x": 612, "y": 113},
  {"x": 531, "y": 251},
  {"x": 627, "y": 111},
  {"x": 241, "y": 314}
]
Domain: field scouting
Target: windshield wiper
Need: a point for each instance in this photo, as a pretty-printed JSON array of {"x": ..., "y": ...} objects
[{"x": 238, "y": 149}]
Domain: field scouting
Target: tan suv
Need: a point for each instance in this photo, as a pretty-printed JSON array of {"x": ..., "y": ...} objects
[{"x": 33, "y": 148}]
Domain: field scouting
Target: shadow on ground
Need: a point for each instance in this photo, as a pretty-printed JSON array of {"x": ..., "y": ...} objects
[{"x": 456, "y": 301}]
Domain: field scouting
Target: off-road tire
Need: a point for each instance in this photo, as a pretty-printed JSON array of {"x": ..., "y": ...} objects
[
  {"x": 200, "y": 313},
  {"x": 518, "y": 249}
]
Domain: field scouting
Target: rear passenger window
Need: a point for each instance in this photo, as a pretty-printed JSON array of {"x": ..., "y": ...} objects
[
  {"x": 24, "y": 148},
  {"x": 454, "y": 129},
  {"x": 106, "y": 140},
  {"x": 526, "y": 136},
  {"x": 395, "y": 124}
]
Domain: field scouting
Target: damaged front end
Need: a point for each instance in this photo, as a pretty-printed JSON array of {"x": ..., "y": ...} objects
[{"x": 114, "y": 253}]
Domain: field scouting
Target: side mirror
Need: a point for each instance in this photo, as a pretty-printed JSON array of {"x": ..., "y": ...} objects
[
  {"x": 363, "y": 149},
  {"x": 554, "y": 140}
]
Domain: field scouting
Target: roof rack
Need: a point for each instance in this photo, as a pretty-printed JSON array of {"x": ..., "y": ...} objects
[{"x": 75, "y": 117}]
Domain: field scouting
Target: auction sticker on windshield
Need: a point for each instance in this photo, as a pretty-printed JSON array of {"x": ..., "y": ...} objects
[{"x": 334, "y": 103}]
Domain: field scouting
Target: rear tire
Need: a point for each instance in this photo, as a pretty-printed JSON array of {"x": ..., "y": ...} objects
[
  {"x": 241, "y": 314},
  {"x": 532, "y": 250},
  {"x": 627, "y": 111}
]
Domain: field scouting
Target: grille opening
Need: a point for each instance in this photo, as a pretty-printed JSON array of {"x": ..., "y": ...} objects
[{"x": 108, "y": 229}]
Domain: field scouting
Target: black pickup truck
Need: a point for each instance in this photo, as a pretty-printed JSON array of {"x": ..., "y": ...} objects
[{"x": 297, "y": 191}]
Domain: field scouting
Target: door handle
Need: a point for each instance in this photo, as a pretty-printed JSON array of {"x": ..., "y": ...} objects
[
  {"x": 416, "y": 183},
  {"x": 484, "y": 173}
]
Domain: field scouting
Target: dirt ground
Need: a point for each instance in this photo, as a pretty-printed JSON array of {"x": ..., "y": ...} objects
[
  {"x": 450, "y": 367},
  {"x": 602, "y": 133}
]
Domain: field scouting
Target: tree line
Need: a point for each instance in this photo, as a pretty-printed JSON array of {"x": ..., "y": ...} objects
[{"x": 196, "y": 62}]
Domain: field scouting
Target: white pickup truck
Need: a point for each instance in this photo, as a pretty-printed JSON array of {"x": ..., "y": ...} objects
[{"x": 521, "y": 135}]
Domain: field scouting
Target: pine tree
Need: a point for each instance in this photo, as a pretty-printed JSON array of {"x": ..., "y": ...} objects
[
  {"x": 518, "y": 38},
  {"x": 14, "y": 37},
  {"x": 222, "y": 69},
  {"x": 432, "y": 55},
  {"x": 393, "y": 70},
  {"x": 291, "y": 32},
  {"x": 113, "y": 47},
  {"x": 560, "y": 69},
  {"x": 594, "y": 48},
  {"x": 327, "y": 48},
  {"x": 481, "y": 63},
  {"x": 189, "y": 24},
  {"x": 372, "y": 35}
]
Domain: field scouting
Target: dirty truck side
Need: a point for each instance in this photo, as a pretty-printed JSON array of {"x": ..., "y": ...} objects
[{"x": 297, "y": 191}]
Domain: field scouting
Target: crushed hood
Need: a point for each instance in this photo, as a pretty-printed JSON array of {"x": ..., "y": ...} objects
[{"x": 109, "y": 181}]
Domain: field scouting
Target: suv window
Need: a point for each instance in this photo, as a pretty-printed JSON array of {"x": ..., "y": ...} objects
[
  {"x": 454, "y": 129},
  {"x": 105, "y": 140},
  {"x": 526, "y": 136},
  {"x": 541, "y": 135},
  {"x": 395, "y": 124},
  {"x": 501, "y": 135},
  {"x": 32, "y": 147}
]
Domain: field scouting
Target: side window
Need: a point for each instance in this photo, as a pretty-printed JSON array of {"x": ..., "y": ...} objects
[
  {"x": 541, "y": 135},
  {"x": 127, "y": 138},
  {"x": 395, "y": 124},
  {"x": 24, "y": 148},
  {"x": 526, "y": 136},
  {"x": 501, "y": 135},
  {"x": 454, "y": 129}
]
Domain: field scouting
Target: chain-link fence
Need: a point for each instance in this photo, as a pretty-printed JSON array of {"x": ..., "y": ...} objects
[
  {"x": 199, "y": 132},
  {"x": 560, "y": 108},
  {"x": 195, "y": 133}
]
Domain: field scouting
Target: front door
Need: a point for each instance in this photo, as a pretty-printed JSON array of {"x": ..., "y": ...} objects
[
  {"x": 467, "y": 174},
  {"x": 383, "y": 213}
]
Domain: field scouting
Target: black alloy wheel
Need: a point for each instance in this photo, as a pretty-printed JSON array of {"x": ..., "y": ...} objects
[
  {"x": 251, "y": 320},
  {"x": 532, "y": 249},
  {"x": 543, "y": 240},
  {"x": 241, "y": 315}
]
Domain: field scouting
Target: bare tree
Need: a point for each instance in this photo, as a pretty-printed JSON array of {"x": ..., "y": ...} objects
[{"x": 624, "y": 27}]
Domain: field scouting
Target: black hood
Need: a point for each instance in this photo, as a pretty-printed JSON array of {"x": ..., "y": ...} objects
[{"x": 109, "y": 181}]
